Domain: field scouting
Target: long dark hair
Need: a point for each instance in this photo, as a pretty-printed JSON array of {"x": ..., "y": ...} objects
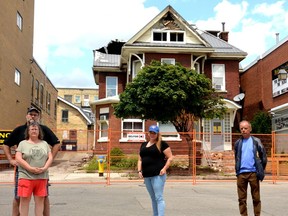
[
  {"x": 33, "y": 124},
  {"x": 159, "y": 141}
]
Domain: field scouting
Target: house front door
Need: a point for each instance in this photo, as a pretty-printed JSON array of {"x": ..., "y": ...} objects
[{"x": 217, "y": 142}]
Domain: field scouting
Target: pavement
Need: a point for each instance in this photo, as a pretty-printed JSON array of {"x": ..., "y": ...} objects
[
  {"x": 76, "y": 193},
  {"x": 131, "y": 199}
]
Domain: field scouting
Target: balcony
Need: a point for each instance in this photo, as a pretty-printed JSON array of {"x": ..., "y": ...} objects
[{"x": 106, "y": 60}]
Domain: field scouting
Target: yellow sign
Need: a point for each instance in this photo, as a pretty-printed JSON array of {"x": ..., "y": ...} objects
[{"x": 4, "y": 135}]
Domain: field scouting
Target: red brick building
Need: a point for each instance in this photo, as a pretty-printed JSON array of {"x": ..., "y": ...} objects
[
  {"x": 167, "y": 38},
  {"x": 264, "y": 91}
]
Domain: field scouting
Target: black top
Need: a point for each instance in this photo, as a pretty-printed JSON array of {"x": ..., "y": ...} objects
[
  {"x": 152, "y": 159},
  {"x": 18, "y": 134}
]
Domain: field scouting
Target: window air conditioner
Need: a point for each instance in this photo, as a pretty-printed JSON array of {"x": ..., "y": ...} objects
[{"x": 218, "y": 87}]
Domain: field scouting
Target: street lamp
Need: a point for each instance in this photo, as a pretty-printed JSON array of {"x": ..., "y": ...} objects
[{"x": 282, "y": 75}]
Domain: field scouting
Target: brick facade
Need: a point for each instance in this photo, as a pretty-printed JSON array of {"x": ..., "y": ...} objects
[
  {"x": 92, "y": 92},
  {"x": 256, "y": 81},
  {"x": 16, "y": 53}
]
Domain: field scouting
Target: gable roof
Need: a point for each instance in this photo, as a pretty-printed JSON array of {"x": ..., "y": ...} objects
[
  {"x": 81, "y": 111},
  {"x": 169, "y": 10},
  {"x": 196, "y": 40}
]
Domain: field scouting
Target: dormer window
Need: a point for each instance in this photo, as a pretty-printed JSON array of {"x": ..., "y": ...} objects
[
  {"x": 177, "y": 37},
  {"x": 168, "y": 36},
  {"x": 159, "y": 36}
]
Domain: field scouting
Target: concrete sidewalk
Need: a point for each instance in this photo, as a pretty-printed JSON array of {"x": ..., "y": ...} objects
[{"x": 182, "y": 199}]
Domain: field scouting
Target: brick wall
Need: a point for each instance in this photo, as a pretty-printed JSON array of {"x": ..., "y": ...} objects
[{"x": 256, "y": 83}]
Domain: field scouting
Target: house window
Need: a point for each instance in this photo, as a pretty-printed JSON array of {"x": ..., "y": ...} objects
[
  {"x": 64, "y": 115},
  {"x": 32, "y": 87},
  {"x": 168, "y": 36},
  {"x": 168, "y": 131},
  {"x": 136, "y": 68},
  {"x": 168, "y": 61},
  {"x": 49, "y": 103},
  {"x": 19, "y": 21},
  {"x": 131, "y": 126},
  {"x": 41, "y": 95},
  {"x": 37, "y": 92},
  {"x": 103, "y": 130},
  {"x": 218, "y": 76},
  {"x": 77, "y": 99},
  {"x": 96, "y": 97},
  {"x": 46, "y": 101},
  {"x": 55, "y": 109},
  {"x": 17, "y": 78},
  {"x": 86, "y": 101},
  {"x": 176, "y": 36},
  {"x": 111, "y": 86},
  {"x": 103, "y": 123},
  {"x": 159, "y": 36},
  {"x": 68, "y": 98}
]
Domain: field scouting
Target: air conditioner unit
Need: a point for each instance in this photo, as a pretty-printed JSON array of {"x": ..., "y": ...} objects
[
  {"x": 103, "y": 117},
  {"x": 218, "y": 87}
]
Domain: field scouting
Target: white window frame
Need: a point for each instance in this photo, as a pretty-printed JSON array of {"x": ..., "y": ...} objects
[
  {"x": 112, "y": 88},
  {"x": 218, "y": 77},
  {"x": 77, "y": 99},
  {"x": 103, "y": 130},
  {"x": 169, "y": 132},
  {"x": 136, "y": 68},
  {"x": 177, "y": 35},
  {"x": 17, "y": 78},
  {"x": 131, "y": 130},
  {"x": 168, "y": 36},
  {"x": 168, "y": 61},
  {"x": 103, "y": 124},
  {"x": 19, "y": 21}
]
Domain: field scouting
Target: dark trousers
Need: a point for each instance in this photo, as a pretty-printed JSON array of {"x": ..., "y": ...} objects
[{"x": 242, "y": 184}]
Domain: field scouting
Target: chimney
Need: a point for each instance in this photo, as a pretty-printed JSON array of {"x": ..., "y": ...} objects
[
  {"x": 223, "y": 35},
  {"x": 277, "y": 38}
]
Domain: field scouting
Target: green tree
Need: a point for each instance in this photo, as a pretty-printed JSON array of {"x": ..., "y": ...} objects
[
  {"x": 172, "y": 93},
  {"x": 261, "y": 123}
]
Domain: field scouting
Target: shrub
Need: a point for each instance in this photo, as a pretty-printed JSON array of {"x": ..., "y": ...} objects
[
  {"x": 116, "y": 155},
  {"x": 92, "y": 165},
  {"x": 128, "y": 163}
]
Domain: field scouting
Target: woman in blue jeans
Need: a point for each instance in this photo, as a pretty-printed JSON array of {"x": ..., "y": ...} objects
[{"x": 154, "y": 159}]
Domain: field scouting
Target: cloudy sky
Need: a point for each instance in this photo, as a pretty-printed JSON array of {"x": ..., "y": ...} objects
[{"x": 67, "y": 31}]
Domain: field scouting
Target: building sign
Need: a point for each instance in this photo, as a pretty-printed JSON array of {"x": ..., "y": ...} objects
[
  {"x": 132, "y": 137},
  {"x": 281, "y": 123},
  {"x": 4, "y": 135}
]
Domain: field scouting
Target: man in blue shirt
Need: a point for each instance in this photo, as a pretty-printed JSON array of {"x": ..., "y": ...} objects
[{"x": 250, "y": 163}]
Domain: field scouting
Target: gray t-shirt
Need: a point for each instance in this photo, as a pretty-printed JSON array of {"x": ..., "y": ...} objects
[{"x": 35, "y": 155}]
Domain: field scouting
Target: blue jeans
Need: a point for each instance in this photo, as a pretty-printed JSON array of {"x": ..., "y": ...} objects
[{"x": 155, "y": 187}]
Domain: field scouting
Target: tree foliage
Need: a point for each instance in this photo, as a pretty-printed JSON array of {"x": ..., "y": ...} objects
[
  {"x": 172, "y": 93},
  {"x": 261, "y": 123}
]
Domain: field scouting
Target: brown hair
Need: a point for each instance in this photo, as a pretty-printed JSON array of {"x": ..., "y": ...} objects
[
  {"x": 159, "y": 140},
  {"x": 33, "y": 124}
]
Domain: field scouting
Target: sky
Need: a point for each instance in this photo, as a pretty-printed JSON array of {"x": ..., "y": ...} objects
[{"x": 67, "y": 31}]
